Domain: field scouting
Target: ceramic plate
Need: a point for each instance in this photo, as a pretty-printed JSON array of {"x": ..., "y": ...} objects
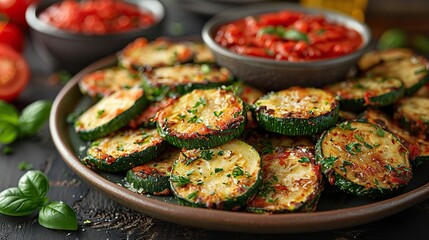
[{"x": 335, "y": 210}]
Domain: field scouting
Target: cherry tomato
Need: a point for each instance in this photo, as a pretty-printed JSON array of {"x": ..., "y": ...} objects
[
  {"x": 15, "y": 10},
  {"x": 14, "y": 73},
  {"x": 11, "y": 35}
]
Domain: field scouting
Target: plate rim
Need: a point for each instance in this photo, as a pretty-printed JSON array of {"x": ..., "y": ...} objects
[{"x": 217, "y": 219}]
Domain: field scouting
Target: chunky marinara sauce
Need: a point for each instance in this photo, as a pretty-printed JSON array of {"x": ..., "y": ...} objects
[
  {"x": 96, "y": 16},
  {"x": 290, "y": 36}
]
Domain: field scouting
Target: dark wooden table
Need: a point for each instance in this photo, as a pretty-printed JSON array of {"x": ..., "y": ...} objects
[{"x": 108, "y": 219}]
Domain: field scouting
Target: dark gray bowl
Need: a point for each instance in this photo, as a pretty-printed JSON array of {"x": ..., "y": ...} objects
[
  {"x": 276, "y": 75},
  {"x": 73, "y": 51}
]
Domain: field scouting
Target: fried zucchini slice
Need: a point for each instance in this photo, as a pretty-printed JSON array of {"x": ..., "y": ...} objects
[
  {"x": 413, "y": 114},
  {"x": 143, "y": 55},
  {"x": 202, "y": 119},
  {"x": 153, "y": 177},
  {"x": 124, "y": 150},
  {"x": 363, "y": 159},
  {"x": 106, "y": 81},
  {"x": 297, "y": 111},
  {"x": 418, "y": 148},
  {"x": 357, "y": 94},
  {"x": 225, "y": 177},
  {"x": 110, "y": 113},
  {"x": 291, "y": 182},
  {"x": 411, "y": 71},
  {"x": 180, "y": 79},
  {"x": 373, "y": 58}
]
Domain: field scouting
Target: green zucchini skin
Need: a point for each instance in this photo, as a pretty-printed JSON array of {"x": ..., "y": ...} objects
[
  {"x": 173, "y": 81},
  {"x": 124, "y": 150},
  {"x": 208, "y": 130},
  {"x": 357, "y": 94},
  {"x": 373, "y": 165},
  {"x": 291, "y": 182},
  {"x": 300, "y": 122},
  {"x": 89, "y": 125},
  {"x": 226, "y": 180},
  {"x": 412, "y": 113},
  {"x": 153, "y": 177},
  {"x": 418, "y": 148}
]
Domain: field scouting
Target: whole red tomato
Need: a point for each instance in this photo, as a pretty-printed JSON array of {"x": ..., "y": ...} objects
[
  {"x": 15, "y": 73},
  {"x": 15, "y": 10},
  {"x": 11, "y": 35}
]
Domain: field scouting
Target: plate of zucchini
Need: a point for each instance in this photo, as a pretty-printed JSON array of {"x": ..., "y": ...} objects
[{"x": 162, "y": 129}]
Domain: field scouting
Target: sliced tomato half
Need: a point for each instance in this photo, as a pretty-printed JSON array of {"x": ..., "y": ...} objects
[{"x": 15, "y": 73}]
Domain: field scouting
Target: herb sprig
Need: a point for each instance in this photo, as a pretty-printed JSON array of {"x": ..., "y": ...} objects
[{"x": 30, "y": 195}]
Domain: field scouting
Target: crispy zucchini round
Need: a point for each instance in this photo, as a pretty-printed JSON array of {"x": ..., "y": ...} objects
[
  {"x": 291, "y": 182},
  {"x": 297, "y": 111},
  {"x": 202, "y": 119},
  {"x": 110, "y": 113},
  {"x": 413, "y": 114},
  {"x": 225, "y": 177},
  {"x": 124, "y": 150},
  {"x": 412, "y": 71},
  {"x": 363, "y": 159},
  {"x": 180, "y": 79},
  {"x": 360, "y": 93},
  {"x": 106, "y": 81},
  {"x": 144, "y": 55}
]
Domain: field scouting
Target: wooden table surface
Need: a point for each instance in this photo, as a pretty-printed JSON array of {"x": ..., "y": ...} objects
[{"x": 108, "y": 219}]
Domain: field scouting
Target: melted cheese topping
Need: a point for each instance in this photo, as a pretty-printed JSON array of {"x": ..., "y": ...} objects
[
  {"x": 162, "y": 165},
  {"x": 202, "y": 111},
  {"x": 410, "y": 70},
  {"x": 230, "y": 172},
  {"x": 287, "y": 183},
  {"x": 108, "y": 108},
  {"x": 367, "y": 162},
  {"x": 124, "y": 143},
  {"x": 154, "y": 54},
  {"x": 184, "y": 74},
  {"x": 364, "y": 87},
  {"x": 414, "y": 108},
  {"x": 297, "y": 102},
  {"x": 107, "y": 81}
]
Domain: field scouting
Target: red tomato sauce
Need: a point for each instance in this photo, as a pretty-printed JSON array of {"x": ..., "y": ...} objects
[
  {"x": 290, "y": 36},
  {"x": 96, "y": 16}
]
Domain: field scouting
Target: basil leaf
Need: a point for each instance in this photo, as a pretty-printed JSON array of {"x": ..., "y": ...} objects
[
  {"x": 292, "y": 34},
  {"x": 33, "y": 117},
  {"x": 58, "y": 215},
  {"x": 14, "y": 203},
  {"x": 8, "y": 132},
  {"x": 267, "y": 30},
  {"x": 34, "y": 184},
  {"x": 8, "y": 113}
]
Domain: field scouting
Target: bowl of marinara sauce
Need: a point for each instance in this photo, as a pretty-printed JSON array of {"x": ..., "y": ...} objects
[
  {"x": 71, "y": 34},
  {"x": 278, "y": 45}
]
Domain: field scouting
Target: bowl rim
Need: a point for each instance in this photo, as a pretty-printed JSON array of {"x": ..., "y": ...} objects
[
  {"x": 259, "y": 8},
  {"x": 156, "y": 7}
]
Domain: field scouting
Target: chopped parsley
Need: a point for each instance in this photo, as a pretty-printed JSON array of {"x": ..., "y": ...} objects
[
  {"x": 353, "y": 148},
  {"x": 304, "y": 160},
  {"x": 379, "y": 131},
  {"x": 100, "y": 113},
  {"x": 346, "y": 126},
  {"x": 180, "y": 180},
  {"x": 192, "y": 195},
  {"x": 237, "y": 171},
  {"x": 360, "y": 139},
  {"x": 207, "y": 154},
  {"x": 205, "y": 68},
  {"x": 328, "y": 162},
  {"x": 217, "y": 114},
  {"x": 218, "y": 170}
]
